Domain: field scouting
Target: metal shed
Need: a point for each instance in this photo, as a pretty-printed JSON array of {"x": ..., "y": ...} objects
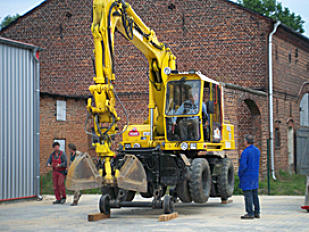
[{"x": 19, "y": 120}]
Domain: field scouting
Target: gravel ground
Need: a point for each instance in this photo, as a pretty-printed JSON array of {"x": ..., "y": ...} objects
[{"x": 278, "y": 213}]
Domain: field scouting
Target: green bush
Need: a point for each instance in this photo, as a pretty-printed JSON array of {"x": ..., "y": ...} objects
[{"x": 286, "y": 184}]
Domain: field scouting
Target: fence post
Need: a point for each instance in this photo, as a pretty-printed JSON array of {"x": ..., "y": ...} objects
[{"x": 268, "y": 171}]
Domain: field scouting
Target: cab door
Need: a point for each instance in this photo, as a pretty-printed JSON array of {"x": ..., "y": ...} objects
[{"x": 216, "y": 116}]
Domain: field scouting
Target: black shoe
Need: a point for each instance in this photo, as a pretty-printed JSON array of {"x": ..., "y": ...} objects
[
  {"x": 247, "y": 216},
  {"x": 56, "y": 202},
  {"x": 62, "y": 201},
  {"x": 74, "y": 203},
  {"x": 257, "y": 216}
]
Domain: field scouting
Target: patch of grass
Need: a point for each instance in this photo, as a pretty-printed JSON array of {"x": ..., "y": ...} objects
[
  {"x": 47, "y": 183},
  {"x": 47, "y": 186},
  {"x": 286, "y": 184}
]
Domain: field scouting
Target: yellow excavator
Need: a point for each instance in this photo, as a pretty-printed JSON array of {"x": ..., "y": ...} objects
[{"x": 184, "y": 141}]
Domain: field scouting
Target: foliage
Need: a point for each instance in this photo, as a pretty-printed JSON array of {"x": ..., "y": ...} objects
[
  {"x": 275, "y": 10},
  {"x": 8, "y": 20},
  {"x": 286, "y": 184}
]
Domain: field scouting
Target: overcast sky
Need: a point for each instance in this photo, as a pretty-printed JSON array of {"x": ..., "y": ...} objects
[{"x": 11, "y": 7}]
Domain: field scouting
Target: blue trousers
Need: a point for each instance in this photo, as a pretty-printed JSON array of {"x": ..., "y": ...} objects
[{"x": 251, "y": 198}]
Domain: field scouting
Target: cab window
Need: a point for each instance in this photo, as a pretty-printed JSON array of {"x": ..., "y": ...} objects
[{"x": 183, "y": 97}]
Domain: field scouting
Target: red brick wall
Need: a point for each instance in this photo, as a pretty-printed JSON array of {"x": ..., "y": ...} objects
[
  {"x": 219, "y": 38},
  {"x": 66, "y": 66},
  {"x": 249, "y": 114},
  {"x": 222, "y": 40},
  {"x": 72, "y": 130},
  {"x": 290, "y": 65}
]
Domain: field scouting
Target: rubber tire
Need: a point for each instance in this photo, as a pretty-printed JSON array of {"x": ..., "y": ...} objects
[
  {"x": 225, "y": 181},
  {"x": 200, "y": 183},
  {"x": 183, "y": 192},
  {"x": 104, "y": 204},
  {"x": 168, "y": 205}
]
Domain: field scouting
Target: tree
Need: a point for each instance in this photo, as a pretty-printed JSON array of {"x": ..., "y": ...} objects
[
  {"x": 274, "y": 10},
  {"x": 8, "y": 20}
]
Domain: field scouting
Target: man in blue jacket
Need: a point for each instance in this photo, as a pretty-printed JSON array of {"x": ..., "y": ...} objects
[{"x": 249, "y": 178}]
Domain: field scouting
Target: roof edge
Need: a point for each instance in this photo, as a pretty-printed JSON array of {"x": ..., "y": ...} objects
[
  {"x": 48, "y": 94},
  {"x": 288, "y": 29},
  {"x": 285, "y": 27},
  {"x": 19, "y": 44},
  {"x": 24, "y": 15}
]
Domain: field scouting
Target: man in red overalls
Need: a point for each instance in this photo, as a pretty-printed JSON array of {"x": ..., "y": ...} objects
[{"x": 58, "y": 161}]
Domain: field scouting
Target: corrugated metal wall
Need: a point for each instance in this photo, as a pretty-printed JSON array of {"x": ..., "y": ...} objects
[{"x": 19, "y": 118}]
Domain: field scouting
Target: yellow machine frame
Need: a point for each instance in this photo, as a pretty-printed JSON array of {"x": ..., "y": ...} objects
[{"x": 112, "y": 15}]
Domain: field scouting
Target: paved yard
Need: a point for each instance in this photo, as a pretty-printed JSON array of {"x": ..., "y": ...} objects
[{"x": 278, "y": 214}]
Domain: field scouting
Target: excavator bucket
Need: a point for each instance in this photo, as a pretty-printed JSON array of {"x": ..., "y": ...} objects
[
  {"x": 132, "y": 175},
  {"x": 83, "y": 174}
]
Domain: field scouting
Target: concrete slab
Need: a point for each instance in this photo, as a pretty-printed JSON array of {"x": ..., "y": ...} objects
[{"x": 278, "y": 213}]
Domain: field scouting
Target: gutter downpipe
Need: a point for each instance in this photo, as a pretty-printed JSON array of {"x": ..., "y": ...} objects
[
  {"x": 37, "y": 123},
  {"x": 271, "y": 110}
]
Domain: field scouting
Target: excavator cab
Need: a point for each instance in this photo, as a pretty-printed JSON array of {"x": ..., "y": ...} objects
[
  {"x": 182, "y": 110},
  {"x": 193, "y": 109}
]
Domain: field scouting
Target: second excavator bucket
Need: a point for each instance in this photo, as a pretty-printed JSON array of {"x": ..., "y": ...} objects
[
  {"x": 83, "y": 174},
  {"x": 132, "y": 175}
]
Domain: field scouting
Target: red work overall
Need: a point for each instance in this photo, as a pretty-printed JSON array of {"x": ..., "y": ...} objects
[{"x": 58, "y": 177}]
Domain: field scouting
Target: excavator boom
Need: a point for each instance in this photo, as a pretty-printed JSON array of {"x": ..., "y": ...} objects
[{"x": 109, "y": 16}]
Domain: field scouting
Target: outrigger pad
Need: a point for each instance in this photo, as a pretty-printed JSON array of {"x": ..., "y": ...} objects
[
  {"x": 132, "y": 175},
  {"x": 83, "y": 174}
]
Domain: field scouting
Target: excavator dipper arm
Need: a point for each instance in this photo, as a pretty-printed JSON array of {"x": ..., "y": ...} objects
[{"x": 109, "y": 16}]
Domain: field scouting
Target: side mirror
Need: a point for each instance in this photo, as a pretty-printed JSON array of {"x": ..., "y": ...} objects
[{"x": 210, "y": 107}]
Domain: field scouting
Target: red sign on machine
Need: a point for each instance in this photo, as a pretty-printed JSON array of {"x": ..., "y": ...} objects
[{"x": 133, "y": 132}]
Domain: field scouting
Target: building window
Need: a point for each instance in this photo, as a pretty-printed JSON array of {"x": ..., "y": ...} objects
[
  {"x": 290, "y": 109},
  {"x": 277, "y": 138},
  {"x": 304, "y": 110},
  {"x": 290, "y": 58},
  {"x": 61, "y": 110},
  {"x": 171, "y": 6},
  {"x": 296, "y": 53},
  {"x": 62, "y": 143}
]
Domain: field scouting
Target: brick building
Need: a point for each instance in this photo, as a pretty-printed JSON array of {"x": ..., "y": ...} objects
[{"x": 220, "y": 38}]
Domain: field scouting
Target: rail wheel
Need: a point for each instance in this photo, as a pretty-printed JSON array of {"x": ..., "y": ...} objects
[
  {"x": 104, "y": 204},
  {"x": 168, "y": 205}
]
